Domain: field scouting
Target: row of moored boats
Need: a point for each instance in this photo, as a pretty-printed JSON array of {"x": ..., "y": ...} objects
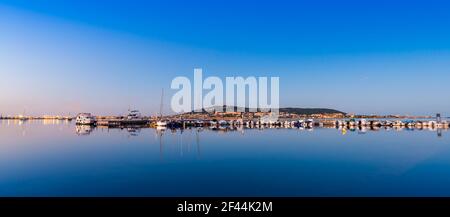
[{"x": 393, "y": 123}]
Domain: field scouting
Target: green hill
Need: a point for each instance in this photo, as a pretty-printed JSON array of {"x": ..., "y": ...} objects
[
  {"x": 310, "y": 111},
  {"x": 299, "y": 111}
]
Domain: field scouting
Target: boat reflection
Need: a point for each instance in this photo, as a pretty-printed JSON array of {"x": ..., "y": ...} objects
[
  {"x": 133, "y": 131},
  {"x": 83, "y": 130},
  {"x": 344, "y": 130}
]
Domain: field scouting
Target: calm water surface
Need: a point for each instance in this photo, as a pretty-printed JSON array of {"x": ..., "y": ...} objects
[{"x": 52, "y": 158}]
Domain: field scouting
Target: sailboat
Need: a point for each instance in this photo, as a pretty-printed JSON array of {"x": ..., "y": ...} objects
[
  {"x": 160, "y": 122},
  {"x": 23, "y": 117}
]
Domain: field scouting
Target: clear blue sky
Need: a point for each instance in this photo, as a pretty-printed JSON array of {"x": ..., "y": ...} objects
[{"x": 385, "y": 57}]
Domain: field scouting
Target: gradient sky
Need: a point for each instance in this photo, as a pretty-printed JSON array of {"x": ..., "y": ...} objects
[{"x": 384, "y": 57}]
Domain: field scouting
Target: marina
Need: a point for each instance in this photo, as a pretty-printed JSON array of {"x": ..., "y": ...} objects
[
  {"x": 344, "y": 126},
  {"x": 286, "y": 123},
  {"x": 134, "y": 118}
]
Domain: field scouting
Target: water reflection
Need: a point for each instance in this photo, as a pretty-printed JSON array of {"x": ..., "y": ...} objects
[
  {"x": 361, "y": 130},
  {"x": 185, "y": 141},
  {"x": 133, "y": 131},
  {"x": 60, "y": 159},
  {"x": 83, "y": 130},
  {"x": 159, "y": 133}
]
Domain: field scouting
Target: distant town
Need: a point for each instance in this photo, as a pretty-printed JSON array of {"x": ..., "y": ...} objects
[{"x": 209, "y": 114}]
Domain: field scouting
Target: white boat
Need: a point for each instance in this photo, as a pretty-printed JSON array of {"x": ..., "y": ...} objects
[
  {"x": 161, "y": 128},
  {"x": 432, "y": 124},
  {"x": 239, "y": 122},
  {"x": 388, "y": 123},
  {"x": 419, "y": 124},
  {"x": 223, "y": 123},
  {"x": 442, "y": 124},
  {"x": 199, "y": 123},
  {"x": 410, "y": 124},
  {"x": 161, "y": 123},
  {"x": 340, "y": 123},
  {"x": 82, "y": 130},
  {"x": 301, "y": 123},
  {"x": 309, "y": 123},
  {"x": 376, "y": 123},
  {"x": 134, "y": 115},
  {"x": 362, "y": 122},
  {"x": 398, "y": 123},
  {"x": 85, "y": 119},
  {"x": 352, "y": 122}
]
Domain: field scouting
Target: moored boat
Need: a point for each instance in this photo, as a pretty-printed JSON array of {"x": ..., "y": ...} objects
[
  {"x": 85, "y": 119},
  {"x": 161, "y": 123},
  {"x": 134, "y": 115}
]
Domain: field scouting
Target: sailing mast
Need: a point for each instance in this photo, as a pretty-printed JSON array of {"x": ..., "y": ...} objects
[
  {"x": 160, "y": 121},
  {"x": 161, "y": 105}
]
